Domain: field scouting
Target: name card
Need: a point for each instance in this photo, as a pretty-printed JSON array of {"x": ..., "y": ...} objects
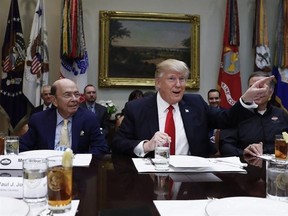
[
  {"x": 10, "y": 162},
  {"x": 11, "y": 187}
]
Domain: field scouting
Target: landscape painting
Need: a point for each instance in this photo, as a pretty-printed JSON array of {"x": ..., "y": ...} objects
[{"x": 132, "y": 44}]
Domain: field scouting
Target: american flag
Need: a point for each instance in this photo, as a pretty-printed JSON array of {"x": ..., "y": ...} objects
[
  {"x": 13, "y": 56},
  {"x": 37, "y": 59}
]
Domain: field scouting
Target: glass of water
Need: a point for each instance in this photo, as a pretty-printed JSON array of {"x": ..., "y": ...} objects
[
  {"x": 162, "y": 156},
  {"x": 277, "y": 180},
  {"x": 11, "y": 145},
  {"x": 35, "y": 180}
]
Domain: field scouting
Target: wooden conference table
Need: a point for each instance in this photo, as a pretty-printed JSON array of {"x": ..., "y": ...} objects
[{"x": 111, "y": 185}]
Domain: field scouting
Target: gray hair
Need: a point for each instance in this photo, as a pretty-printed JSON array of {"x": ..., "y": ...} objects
[{"x": 171, "y": 65}]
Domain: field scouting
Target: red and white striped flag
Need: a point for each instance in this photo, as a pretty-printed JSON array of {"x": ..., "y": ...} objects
[
  {"x": 36, "y": 64},
  {"x": 229, "y": 80}
]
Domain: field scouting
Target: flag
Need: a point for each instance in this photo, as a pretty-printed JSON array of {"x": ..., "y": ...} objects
[
  {"x": 36, "y": 64},
  {"x": 280, "y": 68},
  {"x": 74, "y": 57},
  {"x": 260, "y": 39},
  {"x": 12, "y": 100},
  {"x": 229, "y": 80}
]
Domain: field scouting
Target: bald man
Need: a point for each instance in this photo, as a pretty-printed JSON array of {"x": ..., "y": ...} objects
[{"x": 45, "y": 128}]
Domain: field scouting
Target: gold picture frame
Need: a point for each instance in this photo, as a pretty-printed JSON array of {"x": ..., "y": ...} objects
[{"x": 132, "y": 43}]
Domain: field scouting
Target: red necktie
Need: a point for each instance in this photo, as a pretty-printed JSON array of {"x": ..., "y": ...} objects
[{"x": 170, "y": 128}]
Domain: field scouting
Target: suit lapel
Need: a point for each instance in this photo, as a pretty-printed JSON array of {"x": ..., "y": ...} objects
[
  {"x": 51, "y": 128},
  {"x": 75, "y": 129},
  {"x": 153, "y": 115},
  {"x": 187, "y": 118}
]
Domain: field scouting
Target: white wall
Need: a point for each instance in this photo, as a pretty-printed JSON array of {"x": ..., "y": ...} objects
[{"x": 212, "y": 15}]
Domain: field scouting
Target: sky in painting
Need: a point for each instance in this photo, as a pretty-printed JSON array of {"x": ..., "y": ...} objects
[{"x": 154, "y": 34}]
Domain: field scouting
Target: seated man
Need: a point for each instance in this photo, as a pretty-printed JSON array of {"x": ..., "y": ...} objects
[
  {"x": 145, "y": 120},
  {"x": 90, "y": 96},
  {"x": 48, "y": 130},
  {"x": 255, "y": 135},
  {"x": 214, "y": 99},
  {"x": 47, "y": 100}
]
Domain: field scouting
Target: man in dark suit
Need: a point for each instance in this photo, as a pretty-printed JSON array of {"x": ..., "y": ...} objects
[
  {"x": 47, "y": 100},
  {"x": 90, "y": 96},
  {"x": 144, "y": 120},
  {"x": 83, "y": 130}
]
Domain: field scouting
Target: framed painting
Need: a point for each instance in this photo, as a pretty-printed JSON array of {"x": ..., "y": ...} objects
[{"x": 132, "y": 44}]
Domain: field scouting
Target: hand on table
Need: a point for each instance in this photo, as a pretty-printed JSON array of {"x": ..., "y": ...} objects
[
  {"x": 255, "y": 149},
  {"x": 159, "y": 137},
  {"x": 254, "y": 161}
]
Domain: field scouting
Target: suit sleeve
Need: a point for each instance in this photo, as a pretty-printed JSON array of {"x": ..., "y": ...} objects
[
  {"x": 97, "y": 140},
  {"x": 228, "y": 143}
]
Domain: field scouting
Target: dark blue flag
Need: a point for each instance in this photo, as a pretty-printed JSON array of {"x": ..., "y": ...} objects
[{"x": 12, "y": 99}]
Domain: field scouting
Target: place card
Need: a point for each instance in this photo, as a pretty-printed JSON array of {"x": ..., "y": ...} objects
[
  {"x": 11, "y": 187},
  {"x": 10, "y": 162}
]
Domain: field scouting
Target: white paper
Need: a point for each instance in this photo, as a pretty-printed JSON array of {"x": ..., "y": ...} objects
[
  {"x": 143, "y": 165},
  {"x": 82, "y": 160},
  {"x": 181, "y": 207},
  {"x": 188, "y": 161}
]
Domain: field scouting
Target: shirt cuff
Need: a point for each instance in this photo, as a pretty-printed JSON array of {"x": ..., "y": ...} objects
[
  {"x": 253, "y": 105},
  {"x": 139, "y": 150}
]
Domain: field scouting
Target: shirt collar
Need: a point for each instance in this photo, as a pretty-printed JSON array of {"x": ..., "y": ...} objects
[
  {"x": 60, "y": 118},
  {"x": 163, "y": 105}
]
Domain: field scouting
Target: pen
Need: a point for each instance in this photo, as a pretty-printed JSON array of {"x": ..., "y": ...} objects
[{"x": 152, "y": 162}]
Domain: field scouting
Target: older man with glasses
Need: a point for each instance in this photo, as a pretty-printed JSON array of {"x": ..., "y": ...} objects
[{"x": 65, "y": 126}]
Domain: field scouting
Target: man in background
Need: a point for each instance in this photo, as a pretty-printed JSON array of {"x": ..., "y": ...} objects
[
  {"x": 47, "y": 99},
  {"x": 90, "y": 96},
  {"x": 214, "y": 99},
  {"x": 255, "y": 136}
]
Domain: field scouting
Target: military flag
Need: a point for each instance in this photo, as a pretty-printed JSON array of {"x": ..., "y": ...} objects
[
  {"x": 74, "y": 58},
  {"x": 12, "y": 100},
  {"x": 229, "y": 80},
  {"x": 37, "y": 59},
  {"x": 280, "y": 68},
  {"x": 260, "y": 39}
]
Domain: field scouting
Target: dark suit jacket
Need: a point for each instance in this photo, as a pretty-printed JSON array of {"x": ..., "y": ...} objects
[
  {"x": 86, "y": 134},
  {"x": 141, "y": 123},
  {"x": 39, "y": 109},
  {"x": 103, "y": 116}
]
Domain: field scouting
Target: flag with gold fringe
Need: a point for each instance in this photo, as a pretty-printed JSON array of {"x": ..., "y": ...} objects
[
  {"x": 36, "y": 65},
  {"x": 74, "y": 58},
  {"x": 229, "y": 80},
  {"x": 260, "y": 39},
  {"x": 12, "y": 100},
  {"x": 280, "y": 68}
]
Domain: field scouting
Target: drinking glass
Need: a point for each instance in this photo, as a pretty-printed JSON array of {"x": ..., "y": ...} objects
[
  {"x": 281, "y": 148},
  {"x": 35, "y": 180},
  {"x": 59, "y": 185},
  {"x": 11, "y": 145},
  {"x": 162, "y": 156},
  {"x": 277, "y": 180}
]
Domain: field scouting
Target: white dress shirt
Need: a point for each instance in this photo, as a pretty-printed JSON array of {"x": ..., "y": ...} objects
[{"x": 181, "y": 142}]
